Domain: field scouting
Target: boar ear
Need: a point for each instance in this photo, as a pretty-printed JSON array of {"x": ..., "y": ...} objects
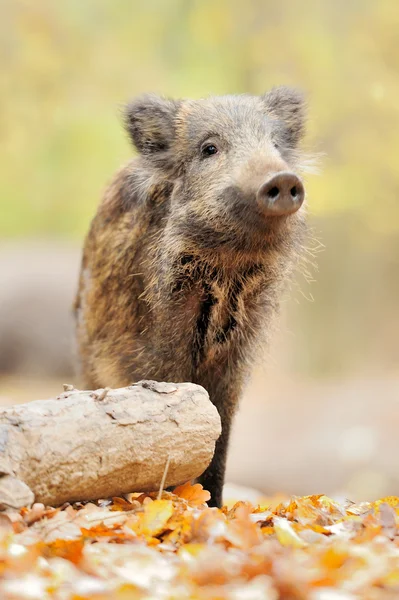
[
  {"x": 288, "y": 105},
  {"x": 150, "y": 122}
]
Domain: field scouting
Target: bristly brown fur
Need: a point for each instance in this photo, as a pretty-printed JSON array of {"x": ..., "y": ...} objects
[{"x": 180, "y": 272}]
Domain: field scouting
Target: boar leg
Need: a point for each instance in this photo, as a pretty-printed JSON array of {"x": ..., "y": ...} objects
[{"x": 213, "y": 478}]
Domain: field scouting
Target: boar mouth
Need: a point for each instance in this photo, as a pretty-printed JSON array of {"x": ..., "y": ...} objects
[{"x": 239, "y": 225}]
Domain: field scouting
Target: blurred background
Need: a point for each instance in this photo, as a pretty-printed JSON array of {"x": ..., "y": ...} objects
[{"x": 321, "y": 412}]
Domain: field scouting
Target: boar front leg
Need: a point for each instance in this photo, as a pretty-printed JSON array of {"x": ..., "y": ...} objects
[{"x": 213, "y": 478}]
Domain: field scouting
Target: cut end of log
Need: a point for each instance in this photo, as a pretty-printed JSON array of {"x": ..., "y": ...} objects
[
  {"x": 14, "y": 493},
  {"x": 96, "y": 444}
]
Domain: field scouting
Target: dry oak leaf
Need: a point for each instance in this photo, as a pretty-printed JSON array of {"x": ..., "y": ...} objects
[
  {"x": 114, "y": 533},
  {"x": 71, "y": 550},
  {"x": 155, "y": 517},
  {"x": 194, "y": 494},
  {"x": 180, "y": 530},
  {"x": 241, "y": 531},
  {"x": 286, "y": 534},
  {"x": 209, "y": 527},
  {"x": 122, "y": 504}
]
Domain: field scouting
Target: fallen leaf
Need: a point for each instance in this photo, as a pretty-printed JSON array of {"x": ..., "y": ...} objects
[
  {"x": 123, "y": 504},
  {"x": 286, "y": 534},
  {"x": 71, "y": 550},
  {"x": 112, "y": 532},
  {"x": 241, "y": 531},
  {"x": 194, "y": 494},
  {"x": 155, "y": 517}
]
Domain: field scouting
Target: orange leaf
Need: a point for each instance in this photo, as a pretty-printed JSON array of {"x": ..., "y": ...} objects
[
  {"x": 241, "y": 532},
  {"x": 103, "y": 531},
  {"x": 194, "y": 494},
  {"x": 121, "y": 504},
  {"x": 68, "y": 549}
]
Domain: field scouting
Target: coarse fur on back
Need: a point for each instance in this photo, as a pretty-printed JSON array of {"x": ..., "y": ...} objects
[{"x": 183, "y": 265}]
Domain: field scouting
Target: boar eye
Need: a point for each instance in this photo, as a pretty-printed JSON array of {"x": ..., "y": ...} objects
[{"x": 209, "y": 149}]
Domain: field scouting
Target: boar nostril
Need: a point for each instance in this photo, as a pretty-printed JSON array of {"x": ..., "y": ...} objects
[
  {"x": 281, "y": 194},
  {"x": 273, "y": 192}
]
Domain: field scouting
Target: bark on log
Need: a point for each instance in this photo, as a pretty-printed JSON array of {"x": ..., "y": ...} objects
[{"x": 86, "y": 445}]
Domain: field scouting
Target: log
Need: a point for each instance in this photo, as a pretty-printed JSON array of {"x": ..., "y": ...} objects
[{"x": 87, "y": 445}]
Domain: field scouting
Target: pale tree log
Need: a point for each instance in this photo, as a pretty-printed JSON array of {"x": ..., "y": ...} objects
[{"x": 85, "y": 445}]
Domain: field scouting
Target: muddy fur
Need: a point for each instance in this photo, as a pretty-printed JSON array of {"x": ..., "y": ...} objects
[{"x": 181, "y": 272}]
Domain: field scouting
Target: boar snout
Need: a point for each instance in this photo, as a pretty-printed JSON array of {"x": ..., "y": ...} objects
[{"x": 280, "y": 195}]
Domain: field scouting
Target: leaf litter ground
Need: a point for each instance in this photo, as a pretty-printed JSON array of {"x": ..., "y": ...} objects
[{"x": 143, "y": 546}]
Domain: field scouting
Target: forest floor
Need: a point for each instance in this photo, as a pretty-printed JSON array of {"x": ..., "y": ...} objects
[{"x": 170, "y": 546}]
